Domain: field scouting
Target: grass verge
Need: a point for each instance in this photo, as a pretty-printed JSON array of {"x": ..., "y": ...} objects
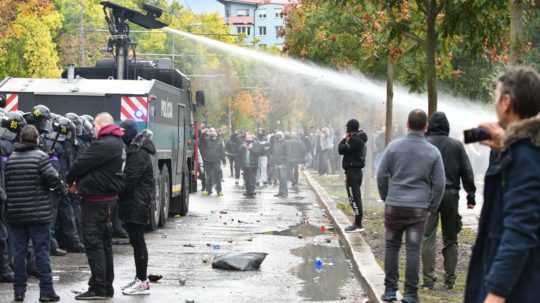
[{"x": 374, "y": 235}]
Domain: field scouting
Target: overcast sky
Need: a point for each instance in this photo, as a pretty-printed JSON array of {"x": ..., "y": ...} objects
[{"x": 204, "y": 6}]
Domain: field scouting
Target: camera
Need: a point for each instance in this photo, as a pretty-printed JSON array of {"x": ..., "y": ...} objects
[{"x": 475, "y": 135}]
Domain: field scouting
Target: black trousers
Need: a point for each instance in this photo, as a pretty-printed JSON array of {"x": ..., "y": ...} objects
[
  {"x": 97, "y": 227},
  {"x": 213, "y": 176},
  {"x": 231, "y": 165},
  {"x": 353, "y": 181},
  {"x": 140, "y": 252},
  {"x": 250, "y": 179}
]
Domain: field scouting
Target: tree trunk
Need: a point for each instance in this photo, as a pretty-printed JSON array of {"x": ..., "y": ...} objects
[
  {"x": 517, "y": 38},
  {"x": 431, "y": 49},
  {"x": 389, "y": 100}
]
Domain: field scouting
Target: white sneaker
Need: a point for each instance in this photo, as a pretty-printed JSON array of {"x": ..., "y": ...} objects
[
  {"x": 138, "y": 289},
  {"x": 130, "y": 284}
]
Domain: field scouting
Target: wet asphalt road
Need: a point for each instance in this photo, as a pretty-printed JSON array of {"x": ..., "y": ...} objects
[{"x": 289, "y": 230}]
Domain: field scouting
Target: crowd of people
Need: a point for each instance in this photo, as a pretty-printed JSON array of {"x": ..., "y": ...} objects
[
  {"x": 67, "y": 182},
  {"x": 265, "y": 158}
]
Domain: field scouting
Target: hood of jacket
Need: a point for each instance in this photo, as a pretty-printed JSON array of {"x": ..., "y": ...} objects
[
  {"x": 143, "y": 141},
  {"x": 22, "y": 147},
  {"x": 111, "y": 130},
  {"x": 438, "y": 125},
  {"x": 528, "y": 129}
]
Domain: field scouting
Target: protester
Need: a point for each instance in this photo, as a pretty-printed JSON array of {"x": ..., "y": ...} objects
[
  {"x": 353, "y": 149},
  {"x": 411, "y": 182},
  {"x": 262, "y": 169},
  {"x": 231, "y": 149},
  {"x": 326, "y": 145},
  {"x": 249, "y": 153},
  {"x": 279, "y": 158},
  {"x": 214, "y": 155},
  {"x": 29, "y": 211},
  {"x": 98, "y": 177},
  {"x": 505, "y": 260},
  {"x": 296, "y": 151},
  {"x": 136, "y": 200},
  {"x": 457, "y": 168}
]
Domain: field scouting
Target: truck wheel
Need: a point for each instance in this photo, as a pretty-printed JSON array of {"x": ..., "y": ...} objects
[
  {"x": 156, "y": 206},
  {"x": 165, "y": 187},
  {"x": 184, "y": 195}
]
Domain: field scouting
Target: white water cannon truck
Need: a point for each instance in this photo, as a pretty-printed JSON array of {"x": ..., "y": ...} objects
[{"x": 153, "y": 94}]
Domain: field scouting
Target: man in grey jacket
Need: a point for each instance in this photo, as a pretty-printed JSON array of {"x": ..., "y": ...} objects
[{"x": 411, "y": 181}]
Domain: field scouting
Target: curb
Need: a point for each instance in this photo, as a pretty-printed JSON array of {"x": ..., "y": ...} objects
[{"x": 364, "y": 263}]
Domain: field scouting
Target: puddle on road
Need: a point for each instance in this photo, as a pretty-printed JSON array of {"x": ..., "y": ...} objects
[
  {"x": 305, "y": 230},
  {"x": 326, "y": 283}
]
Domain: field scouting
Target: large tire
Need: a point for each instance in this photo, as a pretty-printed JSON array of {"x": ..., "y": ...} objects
[
  {"x": 156, "y": 206},
  {"x": 165, "y": 188},
  {"x": 184, "y": 195}
]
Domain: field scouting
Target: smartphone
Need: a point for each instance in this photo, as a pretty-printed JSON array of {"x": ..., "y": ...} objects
[{"x": 475, "y": 135}]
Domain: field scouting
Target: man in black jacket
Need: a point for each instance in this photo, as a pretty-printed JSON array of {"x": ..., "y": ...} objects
[
  {"x": 29, "y": 176},
  {"x": 98, "y": 176},
  {"x": 353, "y": 149},
  {"x": 279, "y": 158},
  {"x": 458, "y": 169},
  {"x": 214, "y": 155},
  {"x": 249, "y": 155},
  {"x": 136, "y": 200}
]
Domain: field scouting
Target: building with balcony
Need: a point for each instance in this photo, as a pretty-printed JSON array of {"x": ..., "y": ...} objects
[{"x": 259, "y": 21}]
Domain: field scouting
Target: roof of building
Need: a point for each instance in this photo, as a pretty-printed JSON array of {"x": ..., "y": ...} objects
[
  {"x": 241, "y": 20},
  {"x": 76, "y": 87}
]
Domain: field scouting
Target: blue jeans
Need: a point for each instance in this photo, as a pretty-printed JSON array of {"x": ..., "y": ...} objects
[{"x": 40, "y": 235}]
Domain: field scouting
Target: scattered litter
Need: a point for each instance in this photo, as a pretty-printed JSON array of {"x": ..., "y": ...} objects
[
  {"x": 189, "y": 245},
  {"x": 56, "y": 278},
  {"x": 250, "y": 240},
  {"x": 190, "y": 301},
  {"x": 300, "y": 237},
  {"x": 319, "y": 264},
  {"x": 208, "y": 245},
  {"x": 77, "y": 292},
  {"x": 216, "y": 246},
  {"x": 258, "y": 221},
  {"x": 182, "y": 281},
  {"x": 232, "y": 220},
  {"x": 239, "y": 261},
  {"x": 154, "y": 278},
  {"x": 323, "y": 229},
  {"x": 223, "y": 212},
  {"x": 230, "y": 241},
  {"x": 177, "y": 216},
  {"x": 205, "y": 260},
  {"x": 164, "y": 236},
  {"x": 328, "y": 240}
]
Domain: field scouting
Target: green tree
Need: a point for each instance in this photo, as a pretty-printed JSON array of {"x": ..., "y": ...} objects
[{"x": 27, "y": 48}]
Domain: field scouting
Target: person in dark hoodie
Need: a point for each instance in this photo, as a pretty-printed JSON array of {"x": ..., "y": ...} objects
[
  {"x": 97, "y": 175},
  {"x": 458, "y": 169},
  {"x": 353, "y": 149},
  {"x": 29, "y": 177},
  {"x": 214, "y": 155},
  {"x": 249, "y": 155},
  {"x": 136, "y": 199}
]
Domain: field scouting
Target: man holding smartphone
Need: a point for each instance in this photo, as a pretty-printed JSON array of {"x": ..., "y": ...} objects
[{"x": 506, "y": 256}]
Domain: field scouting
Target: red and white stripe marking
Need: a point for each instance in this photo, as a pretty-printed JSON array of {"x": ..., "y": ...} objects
[
  {"x": 134, "y": 108},
  {"x": 12, "y": 102}
]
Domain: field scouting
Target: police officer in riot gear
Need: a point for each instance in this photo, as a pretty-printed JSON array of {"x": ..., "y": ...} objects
[
  {"x": 58, "y": 142},
  {"x": 10, "y": 127}
]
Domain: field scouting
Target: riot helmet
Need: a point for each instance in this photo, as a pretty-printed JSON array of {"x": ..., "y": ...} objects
[
  {"x": 78, "y": 123},
  {"x": 40, "y": 117}
]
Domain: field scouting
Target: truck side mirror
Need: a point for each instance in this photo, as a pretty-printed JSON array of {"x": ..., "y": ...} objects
[
  {"x": 199, "y": 98},
  {"x": 3, "y": 99}
]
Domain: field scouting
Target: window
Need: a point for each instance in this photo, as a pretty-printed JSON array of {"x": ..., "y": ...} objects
[
  {"x": 242, "y": 12},
  {"x": 243, "y": 30},
  {"x": 262, "y": 30},
  {"x": 279, "y": 13},
  {"x": 262, "y": 14},
  {"x": 279, "y": 30}
]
